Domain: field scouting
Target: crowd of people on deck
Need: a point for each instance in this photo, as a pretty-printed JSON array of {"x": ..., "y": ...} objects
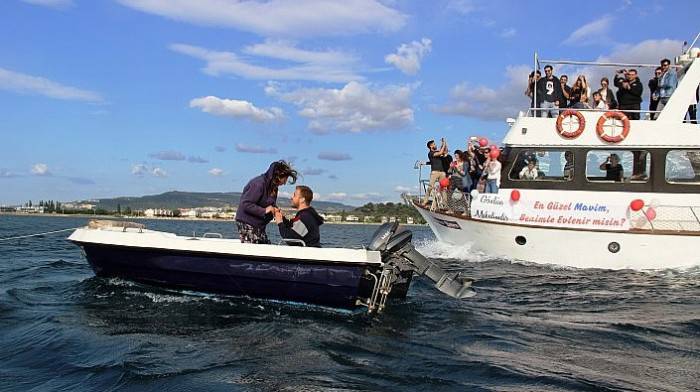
[
  {"x": 458, "y": 174},
  {"x": 551, "y": 94}
]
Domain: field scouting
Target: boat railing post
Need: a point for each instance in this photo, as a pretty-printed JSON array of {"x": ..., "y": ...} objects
[{"x": 534, "y": 87}]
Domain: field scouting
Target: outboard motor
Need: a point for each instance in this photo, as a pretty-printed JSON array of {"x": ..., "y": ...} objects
[{"x": 399, "y": 256}]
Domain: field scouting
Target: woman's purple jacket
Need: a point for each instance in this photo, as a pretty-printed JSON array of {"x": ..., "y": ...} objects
[{"x": 255, "y": 198}]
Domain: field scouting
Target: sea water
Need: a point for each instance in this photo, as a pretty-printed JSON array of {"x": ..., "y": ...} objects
[{"x": 530, "y": 327}]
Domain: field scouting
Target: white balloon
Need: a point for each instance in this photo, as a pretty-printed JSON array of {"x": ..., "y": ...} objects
[{"x": 474, "y": 193}]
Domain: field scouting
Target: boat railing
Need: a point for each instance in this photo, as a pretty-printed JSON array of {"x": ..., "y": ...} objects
[
  {"x": 644, "y": 114},
  {"x": 667, "y": 218},
  {"x": 681, "y": 66},
  {"x": 287, "y": 241}
]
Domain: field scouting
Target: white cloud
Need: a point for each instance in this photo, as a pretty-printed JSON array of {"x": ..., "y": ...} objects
[
  {"x": 595, "y": 32},
  {"x": 287, "y": 50},
  {"x": 255, "y": 149},
  {"x": 334, "y": 156},
  {"x": 285, "y": 195},
  {"x": 27, "y": 84},
  {"x": 367, "y": 196},
  {"x": 401, "y": 189},
  {"x": 335, "y": 196},
  {"x": 168, "y": 156},
  {"x": 51, "y": 3},
  {"x": 41, "y": 169},
  {"x": 4, "y": 173},
  {"x": 490, "y": 103},
  {"x": 196, "y": 159},
  {"x": 158, "y": 172},
  {"x": 279, "y": 18},
  {"x": 216, "y": 172},
  {"x": 312, "y": 171},
  {"x": 508, "y": 32},
  {"x": 328, "y": 66},
  {"x": 409, "y": 56},
  {"x": 236, "y": 109},
  {"x": 355, "y": 108},
  {"x": 139, "y": 170},
  {"x": 343, "y": 196}
]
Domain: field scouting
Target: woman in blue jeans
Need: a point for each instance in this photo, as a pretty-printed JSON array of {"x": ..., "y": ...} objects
[{"x": 492, "y": 171}]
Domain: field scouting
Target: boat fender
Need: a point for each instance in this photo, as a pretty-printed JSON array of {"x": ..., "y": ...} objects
[
  {"x": 560, "y": 123},
  {"x": 619, "y": 116}
]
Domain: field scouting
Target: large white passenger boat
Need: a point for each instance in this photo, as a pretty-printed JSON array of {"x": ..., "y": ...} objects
[{"x": 571, "y": 214}]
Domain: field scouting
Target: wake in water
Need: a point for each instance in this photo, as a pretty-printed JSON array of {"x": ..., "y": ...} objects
[{"x": 435, "y": 249}]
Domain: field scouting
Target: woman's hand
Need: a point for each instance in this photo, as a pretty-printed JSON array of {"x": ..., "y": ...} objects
[{"x": 270, "y": 209}]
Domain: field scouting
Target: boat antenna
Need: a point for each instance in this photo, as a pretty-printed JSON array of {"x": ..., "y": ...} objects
[
  {"x": 534, "y": 85},
  {"x": 693, "y": 43}
]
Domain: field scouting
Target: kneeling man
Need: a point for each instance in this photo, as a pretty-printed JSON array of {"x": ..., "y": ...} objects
[{"x": 305, "y": 225}]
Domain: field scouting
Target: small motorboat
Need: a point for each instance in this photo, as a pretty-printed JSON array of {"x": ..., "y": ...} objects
[{"x": 334, "y": 277}]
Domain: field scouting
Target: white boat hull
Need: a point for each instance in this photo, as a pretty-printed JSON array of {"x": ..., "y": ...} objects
[{"x": 574, "y": 248}]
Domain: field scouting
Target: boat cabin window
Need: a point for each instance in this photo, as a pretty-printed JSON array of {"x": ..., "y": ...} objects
[
  {"x": 683, "y": 167},
  {"x": 632, "y": 166},
  {"x": 543, "y": 165}
]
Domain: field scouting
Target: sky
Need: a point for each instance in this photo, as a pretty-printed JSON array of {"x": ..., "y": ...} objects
[{"x": 107, "y": 98}]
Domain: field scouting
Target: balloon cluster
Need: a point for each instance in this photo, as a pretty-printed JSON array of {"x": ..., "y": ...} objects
[{"x": 649, "y": 212}]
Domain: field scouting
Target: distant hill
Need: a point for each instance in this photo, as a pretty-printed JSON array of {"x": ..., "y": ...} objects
[{"x": 177, "y": 199}]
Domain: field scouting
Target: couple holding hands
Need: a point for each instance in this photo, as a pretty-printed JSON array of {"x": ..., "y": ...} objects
[{"x": 258, "y": 207}]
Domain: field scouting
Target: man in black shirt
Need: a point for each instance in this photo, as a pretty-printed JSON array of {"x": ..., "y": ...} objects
[
  {"x": 437, "y": 168},
  {"x": 549, "y": 88},
  {"x": 613, "y": 168},
  {"x": 629, "y": 92},
  {"x": 305, "y": 224},
  {"x": 565, "y": 91},
  {"x": 653, "y": 94}
]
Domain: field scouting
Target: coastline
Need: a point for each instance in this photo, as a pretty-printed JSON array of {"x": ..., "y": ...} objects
[{"x": 55, "y": 215}]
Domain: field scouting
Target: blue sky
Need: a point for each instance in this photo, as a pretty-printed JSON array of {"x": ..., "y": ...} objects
[{"x": 132, "y": 97}]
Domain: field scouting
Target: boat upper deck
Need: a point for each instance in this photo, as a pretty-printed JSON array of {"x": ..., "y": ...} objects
[{"x": 669, "y": 130}]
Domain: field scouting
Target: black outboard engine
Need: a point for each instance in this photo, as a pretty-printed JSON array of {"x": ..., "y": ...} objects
[{"x": 400, "y": 256}]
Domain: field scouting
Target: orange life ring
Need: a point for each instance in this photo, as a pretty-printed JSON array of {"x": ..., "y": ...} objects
[
  {"x": 570, "y": 113},
  {"x": 619, "y": 116}
]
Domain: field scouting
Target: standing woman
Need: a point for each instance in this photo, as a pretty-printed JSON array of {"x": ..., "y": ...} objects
[
  {"x": 607, "y": 94},
  {"x": 580, "y": 93},
  {"x": 258, "y": 202}
]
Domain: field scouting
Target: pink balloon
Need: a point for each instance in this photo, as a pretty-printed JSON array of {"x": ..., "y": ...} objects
[
  {"x": 650, "y": 213},
  {"x": 483, "y": 142},
  {"x": 494, "y": 153}
]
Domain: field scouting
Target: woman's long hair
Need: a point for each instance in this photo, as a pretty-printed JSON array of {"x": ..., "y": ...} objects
[{"x": 284, "y": 169}]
